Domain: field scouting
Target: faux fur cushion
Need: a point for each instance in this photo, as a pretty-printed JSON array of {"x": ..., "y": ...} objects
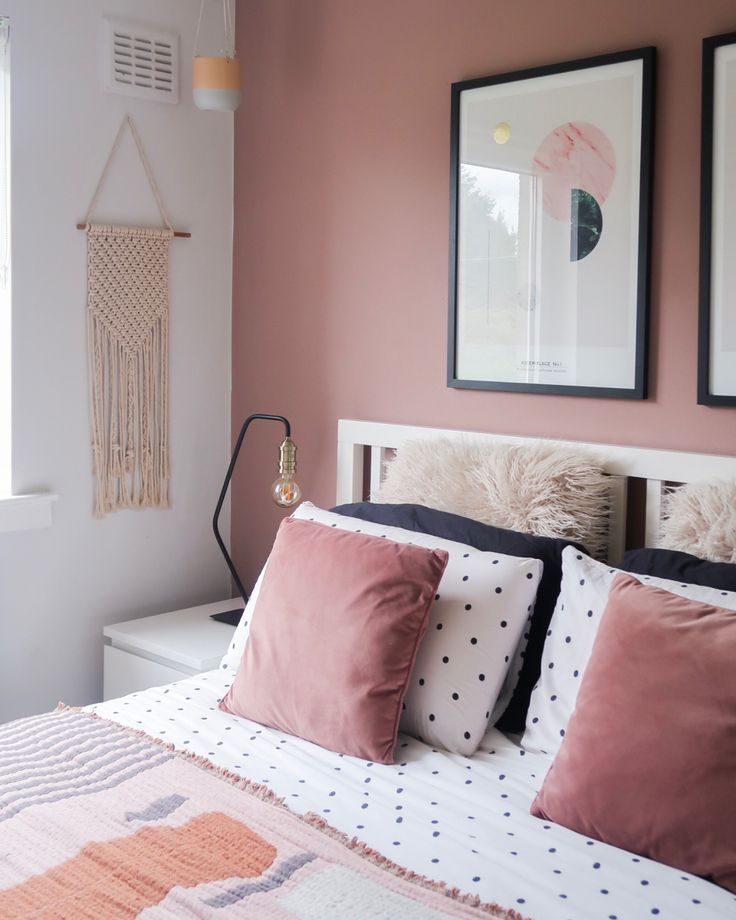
[
  {"x": 541, "y": 489},
  {"x": 700, "y": 518}
]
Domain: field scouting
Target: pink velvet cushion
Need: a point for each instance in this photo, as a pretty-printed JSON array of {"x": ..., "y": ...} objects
[
  {"x": 649, "y": 759},
  {"x": 334, "y": 637}
]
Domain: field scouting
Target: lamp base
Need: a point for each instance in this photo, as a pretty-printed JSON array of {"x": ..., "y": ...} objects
[{"x": 231, "y": 617}]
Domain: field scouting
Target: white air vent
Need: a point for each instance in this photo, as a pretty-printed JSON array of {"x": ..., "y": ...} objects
[{"x": 141, "y": 62}]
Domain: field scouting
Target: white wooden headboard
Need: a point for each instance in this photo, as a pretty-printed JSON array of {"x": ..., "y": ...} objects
[{"x": 657, "y": 467}]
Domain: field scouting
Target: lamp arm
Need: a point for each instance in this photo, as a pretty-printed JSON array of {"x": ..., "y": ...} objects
[{"x": 226, "y": 484}]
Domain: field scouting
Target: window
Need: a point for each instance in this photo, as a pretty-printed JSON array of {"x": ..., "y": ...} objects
[
  {"x": 5, "y": 319},
  {"x": 499, "y": 262},
  {"x": 17, "y": 512}
]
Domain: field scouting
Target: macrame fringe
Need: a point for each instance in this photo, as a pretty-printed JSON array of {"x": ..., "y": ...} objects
[{"x": 129, "y": 410}]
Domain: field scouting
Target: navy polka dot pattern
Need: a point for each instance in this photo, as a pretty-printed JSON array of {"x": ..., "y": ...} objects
[
  {"x": 475, "y": 624},
  {"x": 464, "y": 821},
  {"x": 583, "y": 598}
]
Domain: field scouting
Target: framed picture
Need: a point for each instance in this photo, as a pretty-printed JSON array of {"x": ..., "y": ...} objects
[
  {"x": 717, "y": 326},
  {"x": 549, "y": 228}
]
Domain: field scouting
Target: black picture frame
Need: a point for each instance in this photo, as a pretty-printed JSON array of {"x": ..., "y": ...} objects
[
  {"x": 706, "y": 396},
  {"x": 637, "y": 388}
]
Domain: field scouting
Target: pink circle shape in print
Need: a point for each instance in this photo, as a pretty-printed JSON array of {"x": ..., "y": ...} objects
[{"x": 574, "y": 155}]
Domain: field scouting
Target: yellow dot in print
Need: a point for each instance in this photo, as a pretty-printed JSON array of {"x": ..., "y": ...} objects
[{"x": 502, "y": 132}]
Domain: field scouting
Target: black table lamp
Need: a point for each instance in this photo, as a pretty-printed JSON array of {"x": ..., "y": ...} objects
[{"x": 285, "y": 492}]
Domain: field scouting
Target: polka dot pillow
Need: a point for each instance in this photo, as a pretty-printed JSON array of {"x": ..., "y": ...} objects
[
  {"x": 231, "y": 658},
  {"x": 475, "y": 624},
  {"x": 572, "y": 631}
]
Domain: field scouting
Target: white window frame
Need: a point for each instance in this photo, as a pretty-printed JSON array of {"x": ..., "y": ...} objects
[{"x": 17, "y": 512}]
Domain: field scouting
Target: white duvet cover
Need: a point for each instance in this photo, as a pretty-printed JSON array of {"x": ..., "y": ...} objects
[{"x": 463, "y": 820}]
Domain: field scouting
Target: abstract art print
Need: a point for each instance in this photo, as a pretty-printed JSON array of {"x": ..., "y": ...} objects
[
  {"x": 717, "y": 326},
  {"x": 549, "y": 228}
]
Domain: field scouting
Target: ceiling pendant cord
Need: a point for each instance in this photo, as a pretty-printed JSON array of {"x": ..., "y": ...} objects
[
  {"x": 229, "y": 24},
  {"x": 199, "y": 26}
]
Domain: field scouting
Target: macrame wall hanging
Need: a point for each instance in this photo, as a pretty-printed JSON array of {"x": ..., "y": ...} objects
[{"x": 128, "y": 341}]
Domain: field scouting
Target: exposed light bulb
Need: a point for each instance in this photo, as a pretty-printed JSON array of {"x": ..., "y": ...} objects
[{"x": 285, "y": 491}]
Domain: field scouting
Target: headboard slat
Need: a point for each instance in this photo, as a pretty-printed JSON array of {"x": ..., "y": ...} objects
[
  {"x": 655, "y": 491},
  {"x": 617, "y": 519},
  {"x": 378, "y": 455}
]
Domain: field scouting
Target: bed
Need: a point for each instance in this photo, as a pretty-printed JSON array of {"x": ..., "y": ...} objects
[{"x": 462, "y": 821}]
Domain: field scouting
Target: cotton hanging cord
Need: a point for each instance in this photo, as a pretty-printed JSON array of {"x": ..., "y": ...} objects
[
  {"x": 228, "y": 17},
  {"x": 199, "y": 26},
  {"x": 128, "y": 122},
  {"x": 229, "y": 29},
  {"x": 128, "y": 320}
]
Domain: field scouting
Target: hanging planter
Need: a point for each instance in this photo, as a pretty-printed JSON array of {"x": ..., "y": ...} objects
[{"x": 216, "y": 79}]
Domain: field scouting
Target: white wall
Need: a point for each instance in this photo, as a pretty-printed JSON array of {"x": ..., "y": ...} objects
[{"x": 59, "y": 586}]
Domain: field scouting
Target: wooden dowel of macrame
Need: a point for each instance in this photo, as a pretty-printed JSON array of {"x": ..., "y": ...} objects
[{"x": 181, "y": 233}]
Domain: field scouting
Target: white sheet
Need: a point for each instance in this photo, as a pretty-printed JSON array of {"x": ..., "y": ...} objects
[{"x": 464, "y": 820}]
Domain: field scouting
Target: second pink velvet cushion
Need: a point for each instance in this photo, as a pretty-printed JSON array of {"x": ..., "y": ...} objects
[
  {"x": 334, "y": 637},
  {"x": 649, "y": 757}
]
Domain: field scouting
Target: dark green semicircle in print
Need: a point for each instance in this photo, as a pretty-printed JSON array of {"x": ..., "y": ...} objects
[{"x": 586, "y": 224}]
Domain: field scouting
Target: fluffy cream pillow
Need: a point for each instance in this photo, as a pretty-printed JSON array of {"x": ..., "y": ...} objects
[
  {"x": 700, "y": 518},
  {"x": 541, "y": 489}
]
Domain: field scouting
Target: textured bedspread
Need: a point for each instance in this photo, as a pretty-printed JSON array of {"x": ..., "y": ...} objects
[
  {"x": 461, "y": 819},
  {"x": 99, "y": 822}
]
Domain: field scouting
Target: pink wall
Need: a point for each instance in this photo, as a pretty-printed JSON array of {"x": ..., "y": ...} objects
[{"x": 341, "y": 216}]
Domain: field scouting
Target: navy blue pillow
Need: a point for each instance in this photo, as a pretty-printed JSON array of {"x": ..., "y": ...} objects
[
  {"x": 496, "y": 540},
  {"x": 682, "y": 567}
]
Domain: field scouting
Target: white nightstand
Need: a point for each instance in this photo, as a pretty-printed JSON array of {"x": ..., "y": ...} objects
[{"x": 156, "y": 650}]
